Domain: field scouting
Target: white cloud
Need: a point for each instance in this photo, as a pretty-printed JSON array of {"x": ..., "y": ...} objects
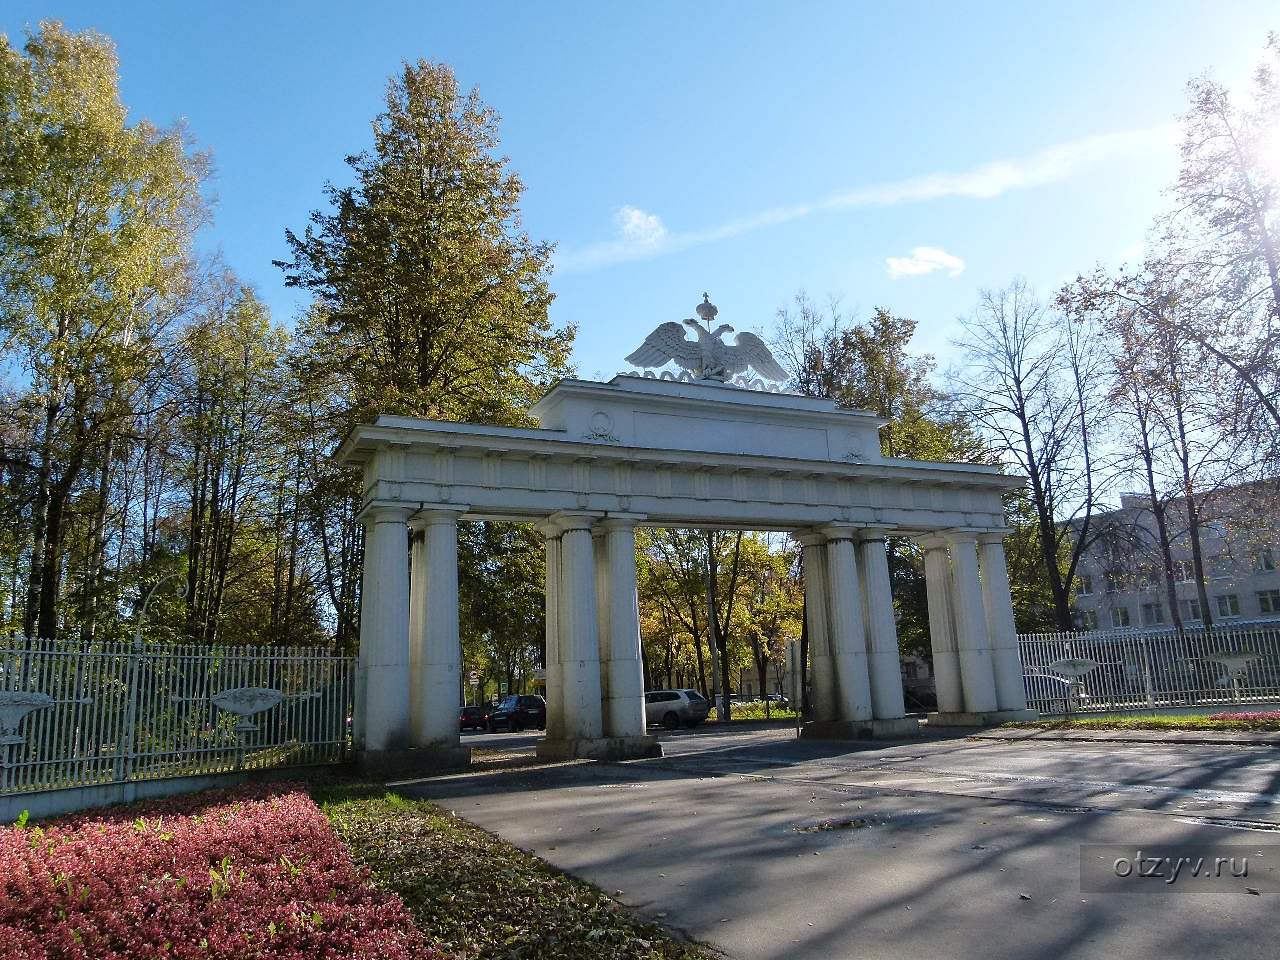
[
  {"x": 924, "y": 260},
  {"x": 642, "y": 235},
  {"x": 638, "y": 228}
]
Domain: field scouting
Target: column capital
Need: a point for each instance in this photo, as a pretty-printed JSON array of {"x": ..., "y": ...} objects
[
  {"x": 994, "y": 536},
  {"x": 866, "y": 534},
  {"x": 811, "y": 538},
  {"x": 933, "y": 541},
  {"x": 377, "y": 512},
  {"x": 621, "y": 521},
  {"x": 566, "y": 520},
  {"x": 839, "y": 531},
  {"x": 432, "y": 515}
]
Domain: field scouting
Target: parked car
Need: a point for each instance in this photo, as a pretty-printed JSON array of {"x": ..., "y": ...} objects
[
  {"x": 671, "y": 708},
  {"x": 471, "y": 718},
  {"x": 919, "y": 695},
  {"x": 779, "y": 700},
  {"x": 517, "y": 712}
]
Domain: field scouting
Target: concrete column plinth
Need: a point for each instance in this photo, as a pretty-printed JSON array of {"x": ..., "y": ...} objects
[
  {"x": 599, "y": 748},
  {"x": 898, "y": 728},
  {"x": 991, "y": 718},
  {"x": 414, "y": 762}
]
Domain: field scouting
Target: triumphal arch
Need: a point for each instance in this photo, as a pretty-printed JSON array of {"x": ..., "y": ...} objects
[{"x": 704, "y": 447}]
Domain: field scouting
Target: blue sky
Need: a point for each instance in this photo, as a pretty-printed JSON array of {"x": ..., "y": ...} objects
[{"x": 903, "y": 154}]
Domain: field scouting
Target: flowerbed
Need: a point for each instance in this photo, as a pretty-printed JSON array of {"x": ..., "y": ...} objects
[
  {"x": 249, "y": 873},
  {"x": 1261, "y": 721}
]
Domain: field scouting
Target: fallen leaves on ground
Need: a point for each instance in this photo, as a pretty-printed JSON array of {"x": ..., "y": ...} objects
[{"x": 477, "y": 896}]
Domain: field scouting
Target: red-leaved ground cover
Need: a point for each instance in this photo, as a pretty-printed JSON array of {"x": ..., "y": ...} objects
[
  {"x": 1256, "y": 716},
  {"x": 255, "y": 872}
]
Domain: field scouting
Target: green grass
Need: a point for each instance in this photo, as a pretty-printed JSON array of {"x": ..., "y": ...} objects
[
  {"x": 1157, "y": 722},
  {"x": 478, "y": 896},
  {"x": 754, "y": 710}
]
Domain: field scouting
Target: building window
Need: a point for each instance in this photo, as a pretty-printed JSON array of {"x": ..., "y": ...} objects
[
  {"x": 1191, "y": 610},
  {"x": 1152, "y": 613},
  {"x": 1220, "y": 567},
  {"x": 1086, "y": 585},
  {"x": 1265, "y": 561},
  {"x": 1113, "y": 582},
  {"x": 1229, "y": 605},
  {"x": 1269, "y": 601},
  {"x": 1088, "y": 619},
  {"x": 1120, "y": 617},
  {"x": 1184, "y": 571},
  {"x": 1215, "y": 528}
]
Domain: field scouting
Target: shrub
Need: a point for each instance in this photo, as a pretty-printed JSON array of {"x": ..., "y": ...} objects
[{"x": 251, "y": 873}]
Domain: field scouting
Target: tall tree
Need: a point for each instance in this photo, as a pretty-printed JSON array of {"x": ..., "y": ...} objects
[
  {"x": 1033, "y": 386},
  {"x": 96, "y": 222},
  {"x": 429, "y": 298}
]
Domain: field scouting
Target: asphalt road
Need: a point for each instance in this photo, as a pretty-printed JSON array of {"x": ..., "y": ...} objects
[{"x": 945, "y": 848}]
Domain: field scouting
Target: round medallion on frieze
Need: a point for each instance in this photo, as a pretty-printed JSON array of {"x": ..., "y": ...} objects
[{"x": 601, "y": 422}]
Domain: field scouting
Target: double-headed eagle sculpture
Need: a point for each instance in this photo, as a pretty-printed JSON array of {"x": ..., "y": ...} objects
[{"x": 708, "y": 357}]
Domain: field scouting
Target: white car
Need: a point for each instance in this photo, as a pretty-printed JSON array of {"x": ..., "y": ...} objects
[{"x": 671, "y": 708}]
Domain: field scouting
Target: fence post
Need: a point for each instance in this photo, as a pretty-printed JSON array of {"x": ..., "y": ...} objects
[
  {"x": 128, "y": 745},
  {"x": 1146, "y": 673}
]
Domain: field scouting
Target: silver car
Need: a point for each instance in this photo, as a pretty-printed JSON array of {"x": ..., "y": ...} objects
[{"x": 671, "y": 708}]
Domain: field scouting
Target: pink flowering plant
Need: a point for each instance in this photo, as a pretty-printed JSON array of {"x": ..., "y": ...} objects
[{"x": 250, "y": 873}]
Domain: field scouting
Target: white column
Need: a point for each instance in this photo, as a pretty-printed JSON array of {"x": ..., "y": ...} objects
[
  {"x": 439, "y": 680},
  {"x": 577, "y": 613},
  {"x": 553, "y": 661},
  {"x": 417, "y": 622},
  {"x": 1011, "y": 693},
  {"x": 942, "y": 638},
  {"x": 622, "y": 672},
  {"x": 384, "y": 629},
  {"x": 977, "y": 676},
  {"x": 884, "y": 661},
  {"x": 848, "y": 641},
  {"x": 821, "y": 670}
]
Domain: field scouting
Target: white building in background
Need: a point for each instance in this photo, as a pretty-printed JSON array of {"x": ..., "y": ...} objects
[{"x": 1120, "y": 581}]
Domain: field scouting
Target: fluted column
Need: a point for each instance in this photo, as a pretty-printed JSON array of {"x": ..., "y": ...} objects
[
  {"x": 417, "y": 622},
  {"x": 821, "y": 669},
  {"x": 884, "y": 661},
  {"x": 384, "y": 630},
  {"x": 977, "y": 676},
  {"x": 622, "y": 673},
  {"x": 438, "y": 678},
  {"x": 1011, "y": 692},
  {"x": 942, "y": 639},
  {"x": 553, "y": 661},
  {"x": 580, "y": 666},
  {"x": 848, "y": 640}
]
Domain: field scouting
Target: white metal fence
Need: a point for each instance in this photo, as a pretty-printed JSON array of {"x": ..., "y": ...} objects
[
  {"x": 76, "y": 715},
  {"x": 1137, "y": 670}
]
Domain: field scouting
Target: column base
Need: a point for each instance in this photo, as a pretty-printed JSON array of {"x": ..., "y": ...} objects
[
  {"x": 599, "y": 748},
  {"x": 990, "y": 719},
  {"x": 893, "y": 729},
  {"x": 414, "y": 762}
]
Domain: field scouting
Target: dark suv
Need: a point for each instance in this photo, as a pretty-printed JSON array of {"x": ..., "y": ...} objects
[
  {"x": 516, "y": 713},
  {"x": 471, "y": 718}
]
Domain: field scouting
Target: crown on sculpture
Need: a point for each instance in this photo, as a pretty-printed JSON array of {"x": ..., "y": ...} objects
[{"x": 707, "y": 357}]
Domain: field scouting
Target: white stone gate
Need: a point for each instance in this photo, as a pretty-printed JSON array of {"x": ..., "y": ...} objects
[{"x": 607, "y": 457}]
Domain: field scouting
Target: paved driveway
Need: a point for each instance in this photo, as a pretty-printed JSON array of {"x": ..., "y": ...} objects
[{"x": 954, "y": 848}]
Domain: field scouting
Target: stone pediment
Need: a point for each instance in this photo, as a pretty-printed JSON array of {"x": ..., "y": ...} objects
[{"x": 708, "y": 417}]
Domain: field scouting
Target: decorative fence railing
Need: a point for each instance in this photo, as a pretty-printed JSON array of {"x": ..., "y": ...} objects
[
  {"x": 1139, "y": 670},
  {"x": 78, "y": 715}
]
